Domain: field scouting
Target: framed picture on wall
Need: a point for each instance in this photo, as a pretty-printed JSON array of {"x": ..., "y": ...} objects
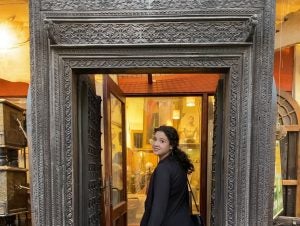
[{"x": 137, "y": 138}]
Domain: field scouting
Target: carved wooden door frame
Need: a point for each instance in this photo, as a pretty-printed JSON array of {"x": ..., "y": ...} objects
[{"x": 68, "y": 37}]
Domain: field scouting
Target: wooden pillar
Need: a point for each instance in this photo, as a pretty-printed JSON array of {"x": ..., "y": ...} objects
[
  {"x": 203, "y": 170},
  {"x": 298, "y": 179},
  {"x": 296, "y": 95}
]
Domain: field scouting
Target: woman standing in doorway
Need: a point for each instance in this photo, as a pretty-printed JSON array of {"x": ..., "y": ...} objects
[{"x": 167, "y": 202}]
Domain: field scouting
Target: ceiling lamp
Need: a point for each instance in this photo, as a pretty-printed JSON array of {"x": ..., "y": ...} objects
[
  {"x": 190, "y": 101},
  {"x": 7, "y": 38}
]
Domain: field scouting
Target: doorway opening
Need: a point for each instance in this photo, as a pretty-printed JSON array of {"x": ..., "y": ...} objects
[
  {"x": 184, "y": 113},
  {"x": 128, "y": 112}
]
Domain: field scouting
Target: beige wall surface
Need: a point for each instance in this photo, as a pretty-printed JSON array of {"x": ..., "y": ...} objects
[{"x": 288, "y": 32}]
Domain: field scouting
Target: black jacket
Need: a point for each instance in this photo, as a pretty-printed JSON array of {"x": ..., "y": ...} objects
[{"x": 167, "y": 202}]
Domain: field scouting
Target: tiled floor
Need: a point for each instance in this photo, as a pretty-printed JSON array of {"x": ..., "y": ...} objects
[{"x": 135, "y": 209}]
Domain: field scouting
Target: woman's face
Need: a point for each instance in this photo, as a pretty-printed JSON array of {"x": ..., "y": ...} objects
[{"x": 161, "y": 145}]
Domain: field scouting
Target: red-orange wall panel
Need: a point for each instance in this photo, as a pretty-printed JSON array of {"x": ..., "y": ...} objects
[
  {"x": 13, "y": 89},
  {"x": 284, "y": 68}
]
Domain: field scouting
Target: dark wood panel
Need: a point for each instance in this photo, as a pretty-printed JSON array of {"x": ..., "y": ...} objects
[
  {"x": 289, "y": 201},
  {"x": 284, "y": 157},
  {"x": 217, "y": 190},
  {"x": 89, "y": 152},
  {"x": 288, "y": 148},
  {"x": 292, "y": 153},
  {"x": 203, "y": 174}
]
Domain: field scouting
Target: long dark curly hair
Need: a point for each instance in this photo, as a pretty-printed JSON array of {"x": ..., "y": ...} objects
[{"x": 179, "y": 155}]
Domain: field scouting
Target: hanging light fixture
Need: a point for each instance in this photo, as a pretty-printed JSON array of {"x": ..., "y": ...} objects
[
  {"x": 13, "y": 34},
  {"x": 7, "y": 37},
  {"x": 190, "y": 101}
]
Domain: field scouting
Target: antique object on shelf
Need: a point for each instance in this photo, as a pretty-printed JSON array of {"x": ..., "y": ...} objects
[
  {"x": 13, "y": 196},
  {"x": 13, "y": 184},
  {"x": 11, "y": 136},
  {"x": 3, "y": 157}
]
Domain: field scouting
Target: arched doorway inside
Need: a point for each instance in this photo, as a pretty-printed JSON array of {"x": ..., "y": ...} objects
[{"x": 289, "y": 136}]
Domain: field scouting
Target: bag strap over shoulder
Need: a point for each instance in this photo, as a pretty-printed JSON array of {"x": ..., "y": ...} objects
[
  {"x": 193, "y": 196},
  {"x": 197, "y": 218}
]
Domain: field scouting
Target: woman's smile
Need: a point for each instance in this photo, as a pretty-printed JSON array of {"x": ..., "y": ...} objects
[{"x": 161, "y": 145}]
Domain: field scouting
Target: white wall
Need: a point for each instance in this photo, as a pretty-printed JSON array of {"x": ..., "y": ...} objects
[{"x": 289, "y": 31}]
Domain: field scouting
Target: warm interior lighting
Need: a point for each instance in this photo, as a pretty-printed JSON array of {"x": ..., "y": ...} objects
[
  {"x": 7, "y": 38},
  {"x": 176, "y": 114},
  {"x": 190, "y": 101}
]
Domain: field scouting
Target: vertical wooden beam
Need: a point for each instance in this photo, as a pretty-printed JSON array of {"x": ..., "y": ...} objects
[
  {"x": 298, "y": 179},
  {"x": 150, "y": 79},
  {"x": 203, "y": 167},
  {"x": 296, "y": 92}
]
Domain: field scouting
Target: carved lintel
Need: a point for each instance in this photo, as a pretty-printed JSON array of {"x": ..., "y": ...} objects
[
  {"x": 114, "y": 5},
  {"x": 160, "y": 31}
]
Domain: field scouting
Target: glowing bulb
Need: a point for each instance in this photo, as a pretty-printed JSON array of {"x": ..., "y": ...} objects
[
  {"x": 7, "y": 38},
  {"x": 190, "y": 101}
]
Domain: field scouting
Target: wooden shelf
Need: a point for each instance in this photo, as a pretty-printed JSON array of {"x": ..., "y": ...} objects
[{"x": 10, "y": 168}]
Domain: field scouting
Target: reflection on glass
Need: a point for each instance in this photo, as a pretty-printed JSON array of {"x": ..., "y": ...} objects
[{"x": 117, "y": 160}]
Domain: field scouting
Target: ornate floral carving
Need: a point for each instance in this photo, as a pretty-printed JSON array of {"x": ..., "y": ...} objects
[
  {"x": 171, "y": 62},
  {"x": 89, "y": 5},
  {"x": 201, "y": 31},
  {"x": 235, "y": 82},
  {"x": 146, "y": 13},
  {"x": 67, "y": 144},
  {"x": 52, "y": 148}
]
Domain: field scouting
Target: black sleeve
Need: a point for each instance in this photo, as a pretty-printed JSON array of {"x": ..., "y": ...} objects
[{"x": 161, "y": 191}]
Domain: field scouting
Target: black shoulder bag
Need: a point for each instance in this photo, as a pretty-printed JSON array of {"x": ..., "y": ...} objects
[{"x": 196, "y": 218}]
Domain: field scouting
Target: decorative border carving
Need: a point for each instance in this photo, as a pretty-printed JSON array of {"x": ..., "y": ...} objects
[
  {"x": 114, "y": 5},
  {"x": 234, "y": 78},
  {"x": 51, "y": 143},
  {"x": 152, "y": 13},
  {"x": 125, "y": 32},
  {"x": 243, "y": 159}
]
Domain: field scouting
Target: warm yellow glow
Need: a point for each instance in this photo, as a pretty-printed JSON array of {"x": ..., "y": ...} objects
[
  {"x": 7, "y": 38},
  {"x": 190, "y": 101},
  {"x": 169, "y": 123},
  {"x": 176, "y": 114}
]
